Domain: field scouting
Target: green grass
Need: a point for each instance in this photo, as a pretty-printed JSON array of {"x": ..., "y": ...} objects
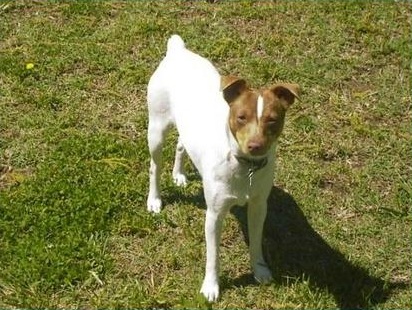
[{"x": 74, "y": 231}]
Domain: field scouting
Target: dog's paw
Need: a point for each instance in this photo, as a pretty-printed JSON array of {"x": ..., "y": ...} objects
[
  {"x": 154, "y": 205},
  {"x": 210, "y": 289},
  {"x": 180, "y": 179},
  {"x": 262, "y": 273}
]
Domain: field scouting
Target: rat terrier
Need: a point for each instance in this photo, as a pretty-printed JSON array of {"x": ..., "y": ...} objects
[{"x": 229, "y": 132}]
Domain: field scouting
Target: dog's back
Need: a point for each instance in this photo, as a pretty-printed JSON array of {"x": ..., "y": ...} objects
[{"x": 185, "y": 91}]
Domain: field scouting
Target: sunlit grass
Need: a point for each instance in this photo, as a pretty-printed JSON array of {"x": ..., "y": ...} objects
[{"x": 74, "y": 231}]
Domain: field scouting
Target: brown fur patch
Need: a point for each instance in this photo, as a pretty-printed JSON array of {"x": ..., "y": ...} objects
[{"x": 256, "y": 136}]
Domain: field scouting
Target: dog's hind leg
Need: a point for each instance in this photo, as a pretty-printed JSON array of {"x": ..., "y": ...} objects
[
  {"x": 160, "y": 121},
  {"x": 156, "y": 136},
  {"x": 179, "y": 175}
]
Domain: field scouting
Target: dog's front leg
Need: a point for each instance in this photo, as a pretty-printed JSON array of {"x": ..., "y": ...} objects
[
  {"x": 213, "y": 228},
  {"x": 257, "y": 210}
]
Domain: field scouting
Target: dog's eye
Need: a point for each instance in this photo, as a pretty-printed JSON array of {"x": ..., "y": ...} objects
[{"x": 241, "y": 119}]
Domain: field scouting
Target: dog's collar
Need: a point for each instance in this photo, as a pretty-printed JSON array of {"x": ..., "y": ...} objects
[{"x": 253, "y": 164}]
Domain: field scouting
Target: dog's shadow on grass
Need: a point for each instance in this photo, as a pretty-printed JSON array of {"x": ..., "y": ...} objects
[{"x": 294, "y": 250}]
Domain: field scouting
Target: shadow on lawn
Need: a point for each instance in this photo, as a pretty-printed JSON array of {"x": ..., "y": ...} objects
[{"x": 295, "y": 250}]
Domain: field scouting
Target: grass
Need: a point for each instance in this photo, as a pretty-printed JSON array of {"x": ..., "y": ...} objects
[{"x": 74, "y": 231}]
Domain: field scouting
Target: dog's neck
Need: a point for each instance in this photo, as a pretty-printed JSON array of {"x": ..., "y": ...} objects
[{"x": 253, "y": 164}]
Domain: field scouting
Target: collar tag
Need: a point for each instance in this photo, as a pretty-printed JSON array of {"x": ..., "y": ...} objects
[
  {"x": 253, "y": 166},
  {"x": 250, "y": 175}
]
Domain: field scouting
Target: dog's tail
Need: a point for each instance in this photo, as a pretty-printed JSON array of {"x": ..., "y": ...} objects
[{"x": 175, "y": 43}]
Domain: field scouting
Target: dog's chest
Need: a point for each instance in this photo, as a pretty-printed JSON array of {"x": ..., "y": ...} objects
[
  {"x": 236, "y": 184},
  {"x": 249, "y": 184},
  {"x": 240, "y": 190}
]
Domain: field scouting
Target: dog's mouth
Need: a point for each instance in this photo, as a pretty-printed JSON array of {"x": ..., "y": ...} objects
[
  {"x": 255, "y": 155},
  {"x": 253, "y": 163}
]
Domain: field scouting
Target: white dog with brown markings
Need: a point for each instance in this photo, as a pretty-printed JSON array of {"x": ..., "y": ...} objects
[{"x": 229, "y": 132}]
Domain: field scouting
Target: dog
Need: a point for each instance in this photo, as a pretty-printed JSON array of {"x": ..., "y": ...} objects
[{"x": 229, "y": 131}]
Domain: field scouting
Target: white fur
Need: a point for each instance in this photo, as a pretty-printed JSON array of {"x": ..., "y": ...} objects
[
  {"x": 259, "y": 107},
  {"x": 185, "y": 91}
]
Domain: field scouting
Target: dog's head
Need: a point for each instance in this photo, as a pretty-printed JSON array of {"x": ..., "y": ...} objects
[{"x": 256, "y": 118}]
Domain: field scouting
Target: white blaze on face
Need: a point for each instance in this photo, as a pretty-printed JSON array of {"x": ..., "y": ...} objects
[{"x": 259, "y": 107}]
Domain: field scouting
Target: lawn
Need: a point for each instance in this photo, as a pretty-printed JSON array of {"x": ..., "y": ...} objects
[{"x": 74, "y": 230}]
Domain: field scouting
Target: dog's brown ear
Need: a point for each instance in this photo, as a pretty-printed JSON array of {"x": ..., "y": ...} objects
[
  {"x": 286, "y": 91},
  {"x": 232, "y": 87}
]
